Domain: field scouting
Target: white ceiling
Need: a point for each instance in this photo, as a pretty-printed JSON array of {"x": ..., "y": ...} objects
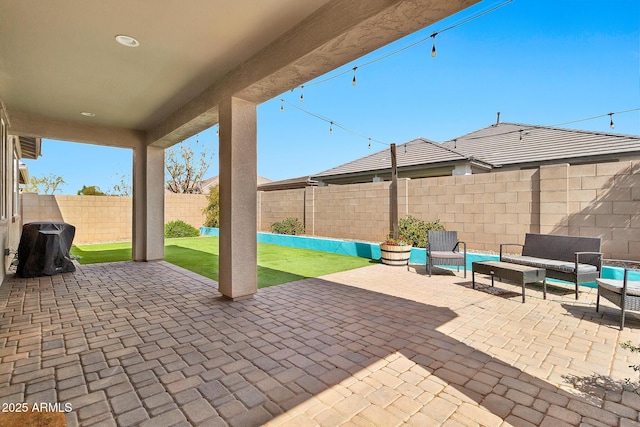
[{"x": 59, "y": 58}]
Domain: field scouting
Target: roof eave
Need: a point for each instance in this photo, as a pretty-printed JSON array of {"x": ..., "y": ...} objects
[
  {"x": 439, "y": 165},
  {"x": 29, "y": 147}
]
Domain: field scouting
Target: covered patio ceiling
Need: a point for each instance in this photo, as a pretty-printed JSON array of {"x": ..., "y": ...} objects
[{"x": 60, "y": 59}]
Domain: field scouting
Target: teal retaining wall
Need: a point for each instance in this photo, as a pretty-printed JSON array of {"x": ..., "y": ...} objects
[
  {"x": 334, "y": 246},
  {"x": 372, "y": 250}
]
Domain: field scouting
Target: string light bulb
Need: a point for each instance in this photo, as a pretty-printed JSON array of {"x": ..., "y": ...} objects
[
  {"x": 433, "y": 47},
  {"x": 353, "y": 82},
  {"x": 282, "y": 105},
  {"x": 330, "y": 128},
  {"x": 520, "y": 135},
  {"x": 218, "y": 131},
  {"x": 369, "y": 143},
  {"x": 301, "y": 93},
  {"x": 611, "y": 125}
]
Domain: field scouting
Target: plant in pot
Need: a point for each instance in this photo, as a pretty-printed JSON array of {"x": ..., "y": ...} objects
[
  {"x": 412, "y": 232},
  {"x": 395, "y": 251}
]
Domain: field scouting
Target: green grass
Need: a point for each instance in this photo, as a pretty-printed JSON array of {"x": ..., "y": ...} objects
[{"x": 276, "y": 264}]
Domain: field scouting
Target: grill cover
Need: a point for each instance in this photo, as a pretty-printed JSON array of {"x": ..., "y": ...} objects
[{"x": 44, "y": 249}]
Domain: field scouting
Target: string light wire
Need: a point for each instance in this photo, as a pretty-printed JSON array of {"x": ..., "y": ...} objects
[
  {"x": 395, "y": 52},
  {"x": 521, "y": 132},
  {"x": 333, "y": 123},
  {"x": 433, "y": 54},
  {"x": 597, "y": 117},
  {"x": 533, "y": 128}
]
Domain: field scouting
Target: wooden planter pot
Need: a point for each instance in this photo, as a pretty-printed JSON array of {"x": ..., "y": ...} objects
[{"x": 395, "y": 255}]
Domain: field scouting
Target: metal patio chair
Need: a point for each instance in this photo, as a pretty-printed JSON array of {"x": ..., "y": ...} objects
[
  {"x": 444, "y": 246},
  {"x": 623, "y": 293}
]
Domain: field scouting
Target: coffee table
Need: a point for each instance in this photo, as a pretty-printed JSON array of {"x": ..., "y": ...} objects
[{"x": 508, "y": 271}]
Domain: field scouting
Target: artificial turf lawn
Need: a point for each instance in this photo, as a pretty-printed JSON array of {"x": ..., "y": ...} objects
[{"x": 276, "y": 264}]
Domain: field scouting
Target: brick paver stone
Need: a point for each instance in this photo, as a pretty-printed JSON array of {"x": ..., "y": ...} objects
[{"x": 148, "y": 344}]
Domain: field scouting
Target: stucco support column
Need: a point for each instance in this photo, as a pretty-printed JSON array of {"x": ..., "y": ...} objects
[
  {"x": 148, "y": 203},
  {"x": 238, "y": 263}
]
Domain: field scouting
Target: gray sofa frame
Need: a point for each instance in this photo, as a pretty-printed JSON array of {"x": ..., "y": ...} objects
[{"x": 569, "y": 258}]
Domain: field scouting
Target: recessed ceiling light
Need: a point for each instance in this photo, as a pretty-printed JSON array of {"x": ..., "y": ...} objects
[
  {"x": 127, "y": 41},
  {"x": 88, "y": 114}
]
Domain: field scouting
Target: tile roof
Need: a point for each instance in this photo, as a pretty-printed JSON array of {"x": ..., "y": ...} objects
[
  {"x": 496, "y": 146},
  {"x": 285, "y": 184},
  {"x": 500, "y": 145},
  {"x": 417, "y": 152},
  {"x": 214, "y": 180}
]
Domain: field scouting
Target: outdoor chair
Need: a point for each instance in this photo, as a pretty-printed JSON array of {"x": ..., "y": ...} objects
[
  {"x": 623, "y": 293},
  {"x": 445, "y": 247}
]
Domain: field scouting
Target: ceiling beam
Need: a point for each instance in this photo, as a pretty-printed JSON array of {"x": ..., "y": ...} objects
[
  {"x": 31, "y": 125},
  {"x": 339, "y": 32}
]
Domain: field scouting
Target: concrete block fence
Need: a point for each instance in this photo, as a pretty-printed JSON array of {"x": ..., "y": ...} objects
[
  {"x": 596, "y": 200},
  {"x": 101, "y": 219}
]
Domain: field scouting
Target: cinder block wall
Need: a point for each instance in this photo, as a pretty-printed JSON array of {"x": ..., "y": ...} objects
[
  {"x": 599, "y": 200},
  {"x": 357, "y": 211},
  {"x": 187, "y": 207},
  {"x": 274, "y": 206},
  {"x": 485, "y": 209},
  {"x": 105, "y": 218},
  {"x": 604, "y": 201},
  {"x": 96, "y": 218}
]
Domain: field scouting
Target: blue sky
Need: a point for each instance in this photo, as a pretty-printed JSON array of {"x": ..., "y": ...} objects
[{"x": 539, "y": 62}]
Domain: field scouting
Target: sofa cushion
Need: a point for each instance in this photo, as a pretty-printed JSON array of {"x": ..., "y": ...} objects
[
  {"x": 550, "y": 264},
  {"x": 446, "y": 254},
  {"x": 613, "y": 285}
]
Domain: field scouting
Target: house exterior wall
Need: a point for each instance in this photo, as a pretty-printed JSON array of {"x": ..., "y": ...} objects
[
  {"x": 106, "y": 218},
  {"x": 9, "y": 202}
]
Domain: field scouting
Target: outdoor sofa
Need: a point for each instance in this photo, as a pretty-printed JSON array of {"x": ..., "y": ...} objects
[{"x": 569, "y": 258}]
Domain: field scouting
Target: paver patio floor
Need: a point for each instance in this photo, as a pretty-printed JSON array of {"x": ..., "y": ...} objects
[{"x": 154, "y": 345}]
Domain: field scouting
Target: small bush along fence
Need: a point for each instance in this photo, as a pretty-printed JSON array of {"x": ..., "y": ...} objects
[
  {"x": 414, "y": 231},
  {"x": 179, "y": 228},
  {"x": 291, "y": 226}
]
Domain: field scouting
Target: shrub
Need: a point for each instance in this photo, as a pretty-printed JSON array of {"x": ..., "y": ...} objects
[
  {"x": 179, "y": 228},
  {"x": 631, "y": 385},
  {"x": 291, "y": 226},
  {"x": 390, "y": 241},
  {"x": 212, "y": 211},
  {"x": 414, "y": 230}
]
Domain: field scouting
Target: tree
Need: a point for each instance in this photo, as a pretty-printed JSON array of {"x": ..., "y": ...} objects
[
  {"x": 212, "y": 211},
  {"x": 48, "y": 184},
  {"x": 92, "y": 190},
  {"x": 122, "y": 187},
  {"x": 186, "y": 168}
]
